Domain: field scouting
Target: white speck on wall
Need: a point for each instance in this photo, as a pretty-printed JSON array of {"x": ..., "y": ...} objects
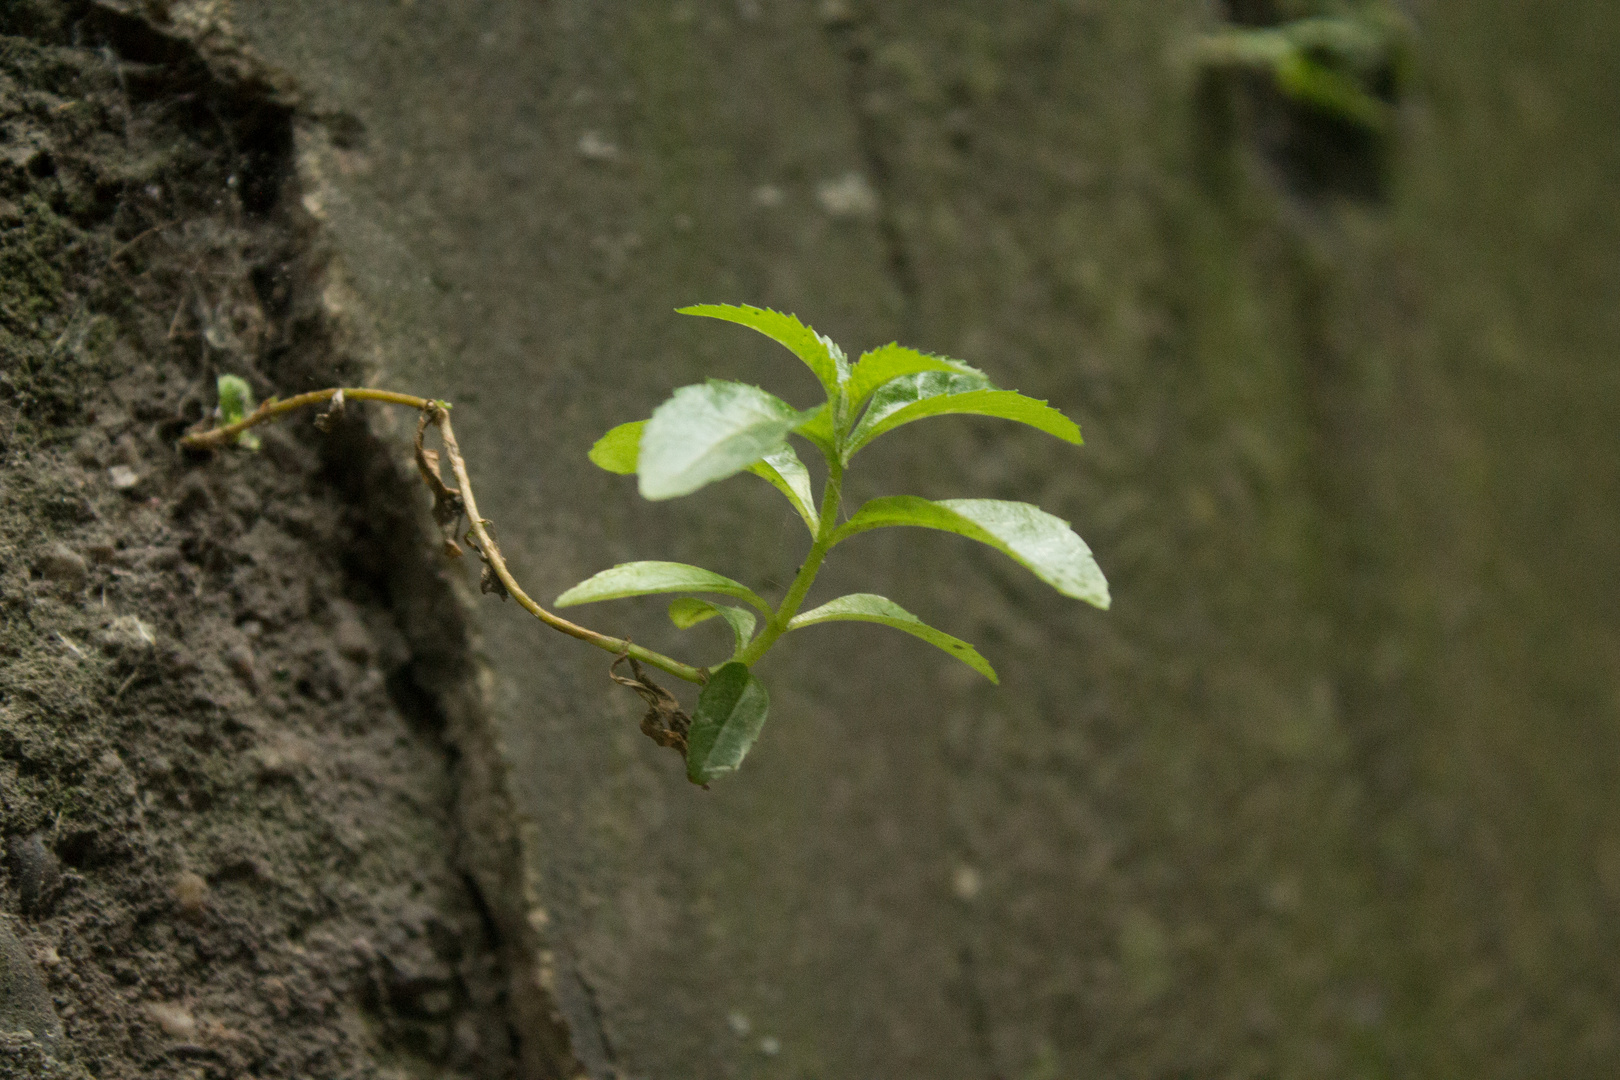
[
  {"x": 594, "y": 146},
  {"x": 848, "y": 196},
  {"x": 966, "y": 884}
]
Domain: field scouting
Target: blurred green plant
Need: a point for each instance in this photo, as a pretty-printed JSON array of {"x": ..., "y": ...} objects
[
  {"x": 235, "y": 403},
  {"x": 1345, "y": 60},
  {"x": 715, "y": 430}
]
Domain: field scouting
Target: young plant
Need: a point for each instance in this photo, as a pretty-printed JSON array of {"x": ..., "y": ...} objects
[
  {"x": 714, "y": 430},
  {"x": 1344, "y": 59},
  {"x": 235, "y": 404}
]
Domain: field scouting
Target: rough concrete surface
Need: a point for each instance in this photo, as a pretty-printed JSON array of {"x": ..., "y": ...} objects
[
  {"x": 1328, "y": 793},
  {"x": 1325, "y": 794}
]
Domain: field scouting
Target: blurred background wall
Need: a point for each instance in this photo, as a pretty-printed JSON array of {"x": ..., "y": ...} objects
[{"x": 1330, "y": 792}]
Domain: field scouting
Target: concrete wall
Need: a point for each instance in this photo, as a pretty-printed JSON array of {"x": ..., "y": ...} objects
[{"x": 1328, "y": 793}]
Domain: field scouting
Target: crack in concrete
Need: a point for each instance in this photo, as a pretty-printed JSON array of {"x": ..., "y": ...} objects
[
  {"x": 598, "y": 1020},
  {"x": 902, "y": 271},
  {"x": 978, "y": 1013},
  {"x": 898, "y": 263}
]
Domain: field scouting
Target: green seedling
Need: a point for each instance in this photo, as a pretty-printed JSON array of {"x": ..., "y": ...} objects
[
  {"x": 1344, "y": 62},
  {"x": 235, "y": 404},
  {"x": 715, "y": 430}
]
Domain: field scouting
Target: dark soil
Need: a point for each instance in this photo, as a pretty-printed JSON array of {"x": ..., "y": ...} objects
[{"x": 227, "y": 810}]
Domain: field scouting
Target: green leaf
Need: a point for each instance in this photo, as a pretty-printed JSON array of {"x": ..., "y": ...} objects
[
  {"x": 891, "y": 361},
  {"x": 1331, "y": 62},
  {"x": 818, "y": 352},
  {"x": 1304, "y": 79},
  {"x": 1362, "y": 43},
  {"x": 688, "y": 611},
  {"x": 708, "y": 432},
  {"x": 788, "y": 475},
  {"x": 644, "y": 578},
  {"x": 933, "y": 393},
  {"x": 869, "y": 607},
  {"x": 235, "y": 398},
  {"x": 235, "y": 403},
  {"x": 1032, "y": 537},
  {"x": 899, "y": 393},
  {"x": 730, "y": 713},
  {"x": 618, "y": 450},
  {"x": 819, "y": 430}
]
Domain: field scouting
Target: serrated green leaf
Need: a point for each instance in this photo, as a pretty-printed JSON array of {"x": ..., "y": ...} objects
[
  {"x": 869, "y": 607},
  {"x": 618, "y": 450},
  {"x": 1032, "y": 537},
  {"x": 708, "y": 432},
  {"x": 688, "y": 611},
  {"x": 819, "y": 353},
  {"x": 235, "y": 403},
  {"x": 646, "y": 578},
  {"x": 730, "y": 712},
  {"x": 891, "y": 361},
  {"x": 934, "y": 393},
  {"x": 787, "y": 474}
]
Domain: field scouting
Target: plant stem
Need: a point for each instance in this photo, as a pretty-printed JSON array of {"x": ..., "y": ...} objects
[
  {"x": 438, "y": 413},
  {"x": 491, "y": 555},
  {"x": 777, "y": 626},
  {"x": 274, "y": 409}
]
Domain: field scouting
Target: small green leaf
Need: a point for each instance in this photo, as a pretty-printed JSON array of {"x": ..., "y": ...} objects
[
  {"x": 645, "y": 578},
  {"x": 818, "y": 352},
  {"x": 891, "y": 361},
  {"x": 788, "y": 475},
  {"x": 235, "y": 398},
  {"x": 708, "y": 432},
  {"x": 618, "y": 450},
  {"x": 730, "y": 713},
  {"x": 818, "y": 428},
  {"x": 1362, "y": 43},
  {"x": 688, "y": 611},
  {"x": 1032, "y": 537},
  {"x": 913, "y": 397},
  {"x": 1304, "y": 79},
  {"x": 235, "y": 403},
  {"x": 1334, "y": 63},
  {"x": 869, "y": 607}
]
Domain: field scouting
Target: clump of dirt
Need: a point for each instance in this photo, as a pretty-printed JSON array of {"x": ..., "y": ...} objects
[{"x": 226, "y": 808}]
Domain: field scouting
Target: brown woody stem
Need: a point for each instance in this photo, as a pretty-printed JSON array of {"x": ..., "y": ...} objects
[{"x": 438, "y": 414}]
